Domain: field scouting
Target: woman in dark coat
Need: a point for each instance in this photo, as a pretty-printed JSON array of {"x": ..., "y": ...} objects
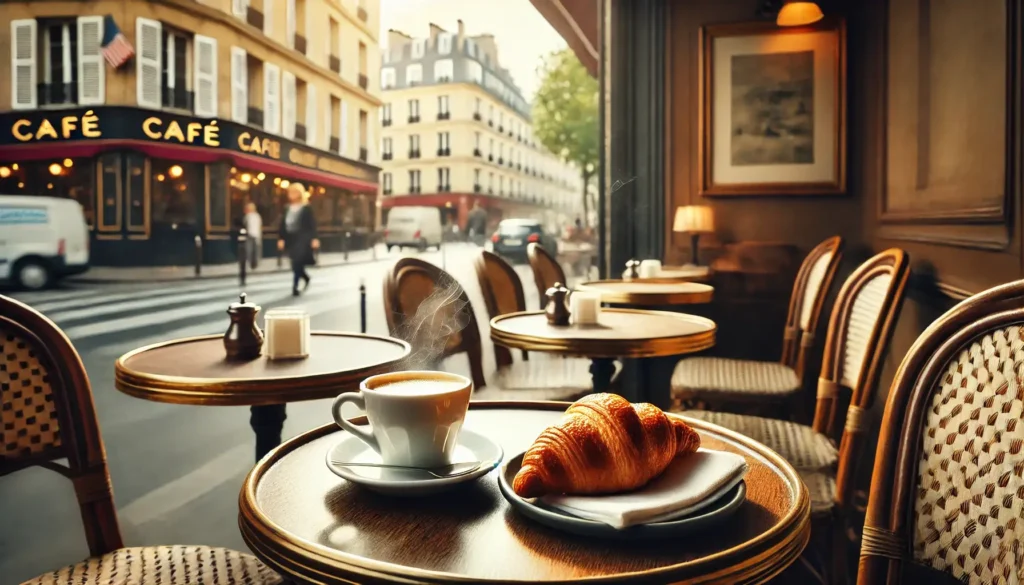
[{"x": 297, "y": 235}]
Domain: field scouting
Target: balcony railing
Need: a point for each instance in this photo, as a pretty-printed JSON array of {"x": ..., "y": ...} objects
[
  {"x": 511, "y": 133},
  {"x": 387, "y": 156},
  {"x": 414, "y": 153},
  {"x": 335, "y": 64},
  {"x": 335, "y": 144},
  {"x": 387, "y": 190},
  {"x": 362, "y": 14},
  {"x": 477, "y": 116},
  {"x": 414, "y": 188},
  {"x": 476, "y": 152},
  {"x": 178, "y": 98},
  {"x": 364, "y": 81},
  {"x": 57, "y": 93},
  {"x": 443, "y": 79},
  {"x": 255, "y": 116},
  {"x": 490, "y": 158},
  {"x": 444, "y": 115},
  {"x": 414, "y": 119},
  {"x": 385, "y": 122},
  {"x": 501, "y": 160},
  {"x": 519, "y": 166},
  {"x": 501, "y": 128},
  {"x": 254, "y": 18},
  {"x": 490, "y": 123},
  {"x": 364, "y": 154},
  {"x": 300, "y": 43},
  {"x": 476, "y": 188},
  {"x": 444, "y": 188},
  {"x": 300, "y": 132},
  {"x": 444, "y": 152},
  {"x": 510, "y": 163}
]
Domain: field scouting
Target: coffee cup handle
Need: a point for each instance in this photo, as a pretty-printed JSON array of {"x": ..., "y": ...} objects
[{"x": 361, "y": 433}]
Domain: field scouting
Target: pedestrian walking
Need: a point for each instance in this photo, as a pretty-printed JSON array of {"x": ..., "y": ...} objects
[
  {"x": 298, "y": 235},
  {"x": 253, "y": 223}
]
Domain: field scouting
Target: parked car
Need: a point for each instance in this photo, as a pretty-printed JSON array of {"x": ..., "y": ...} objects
[
  {"x": 419, "y": 227},
  {"x": 514, "y": 235},
  {"x": 42, "y": 239}
]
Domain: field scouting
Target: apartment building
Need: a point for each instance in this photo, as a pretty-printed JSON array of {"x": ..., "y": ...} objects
[
  {"x": 455, "y": 132},
  {"x": 163, "y": 119}
]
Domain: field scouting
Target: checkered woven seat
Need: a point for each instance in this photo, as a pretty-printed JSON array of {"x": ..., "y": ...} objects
[
  {"x": 805, "y": 449},
  {"x": 822, "y": 487},
  {"x": 735, "y": 378},
  {"x": 164, "y": 565},
  {"x": 539, "y": 379}
]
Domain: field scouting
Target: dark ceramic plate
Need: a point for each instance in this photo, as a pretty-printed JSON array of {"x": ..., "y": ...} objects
[{"x": 717, "y": 511}]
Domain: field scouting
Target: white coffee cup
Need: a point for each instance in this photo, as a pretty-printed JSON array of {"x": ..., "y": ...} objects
[
  {"x": 650, "y": 268},
  {"x": 415, "y": 417}
]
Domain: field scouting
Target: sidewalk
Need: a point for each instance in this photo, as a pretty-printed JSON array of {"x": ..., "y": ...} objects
[{"x": 105, "y": 274}]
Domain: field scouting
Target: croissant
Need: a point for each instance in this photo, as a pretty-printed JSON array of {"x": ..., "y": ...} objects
[{"x": 603, "y": 444}]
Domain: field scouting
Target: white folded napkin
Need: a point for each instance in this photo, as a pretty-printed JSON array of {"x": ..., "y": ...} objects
[{"x": 689, "y": 484}]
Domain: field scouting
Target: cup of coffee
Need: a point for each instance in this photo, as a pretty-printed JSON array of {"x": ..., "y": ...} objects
[{"x": 415, "y": 417}]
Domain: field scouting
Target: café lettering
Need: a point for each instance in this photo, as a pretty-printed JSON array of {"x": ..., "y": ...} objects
[
  {"x": 65, "y": 127},
  {"x": 247, "y": 142},
  {"x": 193, "y": 132}
]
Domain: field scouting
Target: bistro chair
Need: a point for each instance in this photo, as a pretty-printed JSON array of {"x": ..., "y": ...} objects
[
  {"x": 718, "y": 383},
  {"x": 503, "y": 293},
  {"x": 546, "y": 270},
  {"x": 46, "y": 415},
  {"x": 858, "y": 338},
  {"x": 946, "y": 503},
  {"x": 426, "y": 307}
]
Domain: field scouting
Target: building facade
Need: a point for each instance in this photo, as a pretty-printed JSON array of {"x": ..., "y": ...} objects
[
  {"x": 165, "y": 133},
  {"x": 455, "y": 132}
]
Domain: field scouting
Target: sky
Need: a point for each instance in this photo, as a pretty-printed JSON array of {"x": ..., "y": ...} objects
[{"x": 522, "y": 34}]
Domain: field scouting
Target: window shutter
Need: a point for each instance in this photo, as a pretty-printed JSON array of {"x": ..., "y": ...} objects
[
  {"x": 91, "y": 69},
  {"x": 240, "y": 7},
  {"x": 206, "y": 76},
  {"x": 311, "y": 114},
  {"x": 239, "y": 85},
  {"x": 289, "y": 107},
  {"x": 147, "y": 75},
  {"x": 343, "y": 147},
  {"x": 271, "y": 98},
  {"x": 23, "y": 64},
  {"x": 290, "y": 23}
]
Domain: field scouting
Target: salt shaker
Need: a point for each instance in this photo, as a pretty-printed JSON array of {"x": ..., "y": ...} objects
[
  {"x": 557, "y": 309},
  {"x": 632, "y": 270},
  {"x": 243, "y": 340}
]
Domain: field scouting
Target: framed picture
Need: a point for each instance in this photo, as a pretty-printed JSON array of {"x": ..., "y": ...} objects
[{"x": 773, "y": 109}]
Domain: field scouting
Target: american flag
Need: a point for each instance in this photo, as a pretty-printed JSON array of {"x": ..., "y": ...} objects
[{"x": 116, "y": 48}]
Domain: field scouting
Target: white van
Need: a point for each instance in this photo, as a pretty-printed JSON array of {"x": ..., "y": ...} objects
[
  {"x": 418, "y": 227},
  {"x": 42, "y": 239}
]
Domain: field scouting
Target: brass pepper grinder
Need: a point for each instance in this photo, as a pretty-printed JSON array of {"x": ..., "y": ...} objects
[
  {"x": 557, "y": 309},
  {"x": 632, "y": 270},
  {"x": 243, "y": 339}
]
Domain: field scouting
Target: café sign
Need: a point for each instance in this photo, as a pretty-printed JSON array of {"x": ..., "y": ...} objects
[{"x": 126, "y": 123}]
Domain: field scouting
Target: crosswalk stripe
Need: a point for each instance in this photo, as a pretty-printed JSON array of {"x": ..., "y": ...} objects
[
  {"x": 76, "y": 301},
  {"x": 149, "y": 301}
]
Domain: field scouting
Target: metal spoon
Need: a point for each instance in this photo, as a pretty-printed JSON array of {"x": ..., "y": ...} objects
[{"x": 442, "y": 472}]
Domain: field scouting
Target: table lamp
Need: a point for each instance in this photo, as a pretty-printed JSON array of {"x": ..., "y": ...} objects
[{"x": 694, "y": 220}]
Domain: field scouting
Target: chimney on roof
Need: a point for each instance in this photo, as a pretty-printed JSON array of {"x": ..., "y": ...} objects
[
  {"x": 434, "y": 31},
  {"x": 460, "y": 37},
  {"x": 396, "y": 40}
]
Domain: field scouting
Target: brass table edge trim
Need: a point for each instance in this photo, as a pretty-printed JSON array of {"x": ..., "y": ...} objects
[
  {"x": 790, "y": 533},
  {"x": 698, "y": 297}
]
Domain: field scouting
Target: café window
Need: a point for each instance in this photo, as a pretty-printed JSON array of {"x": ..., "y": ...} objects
[
  {"x": 177, "y": 67},
  {"x": 252, "y": 186},
  {"x": 135, "y": 192},
  {"x": 176, "y": 189},
  {"x": 59, "y": 49},
  {"x": 73, "y": 178},
  {"x": 322, "y": 203}
]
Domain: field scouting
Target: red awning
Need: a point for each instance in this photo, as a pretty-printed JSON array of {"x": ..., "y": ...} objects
[{"x": 89, "y": 149}]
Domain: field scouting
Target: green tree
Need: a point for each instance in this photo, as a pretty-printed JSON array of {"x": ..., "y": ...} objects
[{"x": 565, "y": 115}]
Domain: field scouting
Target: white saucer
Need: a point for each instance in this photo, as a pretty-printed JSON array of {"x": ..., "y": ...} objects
[{"x": 410, "y": 482}]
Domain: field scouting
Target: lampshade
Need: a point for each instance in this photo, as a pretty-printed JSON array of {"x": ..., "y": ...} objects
[
  {"x": 694, "y": 219},
  {"x": 798, "y": 13}
]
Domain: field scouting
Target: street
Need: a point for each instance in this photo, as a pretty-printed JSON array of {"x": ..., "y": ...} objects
[{"x": 177, "y": 470}]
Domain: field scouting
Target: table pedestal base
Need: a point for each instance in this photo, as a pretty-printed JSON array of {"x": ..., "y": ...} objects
[
  {"x": 267, "y": 422},
  {"x": 649, "y": 380},
  {"x": 601, "y": 372}
]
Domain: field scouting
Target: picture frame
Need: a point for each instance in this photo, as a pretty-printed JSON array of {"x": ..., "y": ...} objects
[{"x": 772, "y": 109}]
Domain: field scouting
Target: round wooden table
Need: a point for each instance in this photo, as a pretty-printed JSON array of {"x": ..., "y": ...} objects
[
  {"x": 311, "y": 526},
  {"x": 650, "y": 292},
  {"x": 689, "y": 273},
  {"x": 194, "y": 370},
  {"x": 654, "y": 339}
]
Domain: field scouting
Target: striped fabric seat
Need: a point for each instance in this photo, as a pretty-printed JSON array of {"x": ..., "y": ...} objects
[
  {"x": 539, "y": 379},
  {"x": 805, "y": 449},
  {"x": 164, "y": 565},
  {"x": 733, "y": 378}
]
